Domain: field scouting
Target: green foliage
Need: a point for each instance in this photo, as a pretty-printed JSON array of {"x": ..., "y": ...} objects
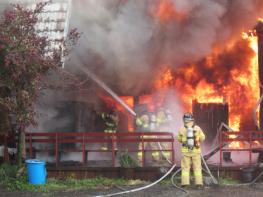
[
  {"x": 227, "y": 181},
  {"x": 9, "y": 179},
  {"x": 166, "y": 181},
  {"x": 26, "y": 58},
  {"x": 126, "y": 161}
]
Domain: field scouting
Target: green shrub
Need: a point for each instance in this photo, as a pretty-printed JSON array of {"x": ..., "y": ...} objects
[{"x": 126, "y": 161}]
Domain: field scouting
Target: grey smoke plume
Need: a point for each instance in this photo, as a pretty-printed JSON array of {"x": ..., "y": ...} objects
[{"x": 124, "y": 41}]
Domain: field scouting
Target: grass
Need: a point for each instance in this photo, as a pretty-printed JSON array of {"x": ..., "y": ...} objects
[
  {"x": 228, "y": 181},
  {"x": 166, "y": 182},
  {"x": 10, "y": 180}
]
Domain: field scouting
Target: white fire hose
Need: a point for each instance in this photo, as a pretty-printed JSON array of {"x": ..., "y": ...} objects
[
  {"x": 140, "y": 188},
  {"x": 160, "y": 179}
]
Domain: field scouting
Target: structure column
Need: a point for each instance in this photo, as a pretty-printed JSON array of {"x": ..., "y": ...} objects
[{"x": 259, "y": 29}]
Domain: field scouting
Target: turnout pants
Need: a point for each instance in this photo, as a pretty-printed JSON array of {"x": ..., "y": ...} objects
[
  {"x": 186, "y": 161},
  {"x": 109, "y": 145},
  {"x": 152, "y": 145}
]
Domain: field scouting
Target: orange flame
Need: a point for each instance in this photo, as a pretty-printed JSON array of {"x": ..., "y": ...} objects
[
  {"x": 130, "y": 102},
  {"x": 236, "y": 145},
  {"x": 112, "y": 104},
  {"x": 165, "y": 78},
  {"x": 206, "y": 92}
]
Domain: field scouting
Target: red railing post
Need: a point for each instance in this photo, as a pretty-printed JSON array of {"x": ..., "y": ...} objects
[
  {"x": 56, "y": 149},
  {"x": 30, "y": 146},
  {"x": 83, "y": 149},
  {"x": 173, "y": 158},
  {"x": 220, "y": 145},
  {"x": 250, "y": 147},
  {"x": 143, "y": 156},
  {"x": 113, "y": 149}
]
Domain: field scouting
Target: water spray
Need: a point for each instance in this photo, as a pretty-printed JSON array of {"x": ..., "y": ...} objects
[{"x": 107, "y": 89}]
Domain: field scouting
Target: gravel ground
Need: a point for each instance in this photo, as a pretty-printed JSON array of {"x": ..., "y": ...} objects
[{"x": 158, "y": 191}]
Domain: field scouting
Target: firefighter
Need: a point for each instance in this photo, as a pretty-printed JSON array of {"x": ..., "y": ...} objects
[
  {"x": 160, "y": 118},
  {"x": 191, "y": 135},
  {"x": 142, "y": 122},
  {"x": 164, "y": 119},
  {"x": 111, "y": 120},
  {"x": 146, "y": 122}
]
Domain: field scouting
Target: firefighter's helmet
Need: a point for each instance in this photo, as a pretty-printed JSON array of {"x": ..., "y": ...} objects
[{"x": 188, "y": 117}]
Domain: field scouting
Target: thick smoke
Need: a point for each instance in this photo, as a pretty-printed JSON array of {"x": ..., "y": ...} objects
[{"x": 125, "y": 42}]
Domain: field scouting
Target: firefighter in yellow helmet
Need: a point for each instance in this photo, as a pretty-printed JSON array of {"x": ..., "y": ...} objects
[
  {"x": 164, "y": 119},
  {"x": 146, "y": 122},
  {"x": 190, "y": 135}
]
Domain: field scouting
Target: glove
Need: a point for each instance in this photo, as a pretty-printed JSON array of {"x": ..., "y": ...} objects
[
  {"x": 197, "y": 143},
  {"x": 196, "y": 140}
]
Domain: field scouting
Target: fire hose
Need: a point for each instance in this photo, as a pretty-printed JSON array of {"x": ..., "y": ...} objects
[
  {"x": 160, "y": 179},
  {"x": 140, "y": 188}
]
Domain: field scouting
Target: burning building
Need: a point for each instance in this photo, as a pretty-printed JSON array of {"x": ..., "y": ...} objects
[
  {"x": 166, "y": 53},
  {"x": 169, "y": 57}
]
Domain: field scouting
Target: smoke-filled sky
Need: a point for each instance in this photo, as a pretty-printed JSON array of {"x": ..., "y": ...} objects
[{"x": 125, "y": 41}]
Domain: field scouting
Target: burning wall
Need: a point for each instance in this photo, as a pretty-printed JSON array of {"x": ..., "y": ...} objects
[
  {"x": 209, "y": 117},
  {"x": 195, "y": 48},
  {"x": 228, "y": 76}
]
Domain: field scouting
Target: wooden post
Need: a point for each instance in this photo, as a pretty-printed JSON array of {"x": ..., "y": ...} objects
[
  {"x": 30, "y": 146},
  {"x": 113, "y": 149},
  {"x": 83, "y": 149},
  {"x": 259, "y": 29},
  {"x": 173, "y": 158},
  {"x": 56, "y": 149},
  {"x": 143, "y": 155},
  {"x": 6, "y": 155},
  {"x": 220, "y": 145},
  {"x": 250, "y": 147}
]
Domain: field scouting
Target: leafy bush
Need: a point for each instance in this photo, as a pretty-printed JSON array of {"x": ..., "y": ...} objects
[{"x": 126, "y": 161}]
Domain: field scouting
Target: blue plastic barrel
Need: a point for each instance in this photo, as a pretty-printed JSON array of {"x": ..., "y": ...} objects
[{"x": 36, "y": 171}]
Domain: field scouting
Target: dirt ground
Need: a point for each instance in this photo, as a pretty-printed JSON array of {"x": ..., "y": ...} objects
[{"x": 157, "y": 190}]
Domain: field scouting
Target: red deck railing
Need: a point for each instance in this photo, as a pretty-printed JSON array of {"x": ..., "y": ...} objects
[
  {"x": 5, "y": 140},
  {"x": 251, "y": 140},
  {"x": 85, "y": 140}
]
